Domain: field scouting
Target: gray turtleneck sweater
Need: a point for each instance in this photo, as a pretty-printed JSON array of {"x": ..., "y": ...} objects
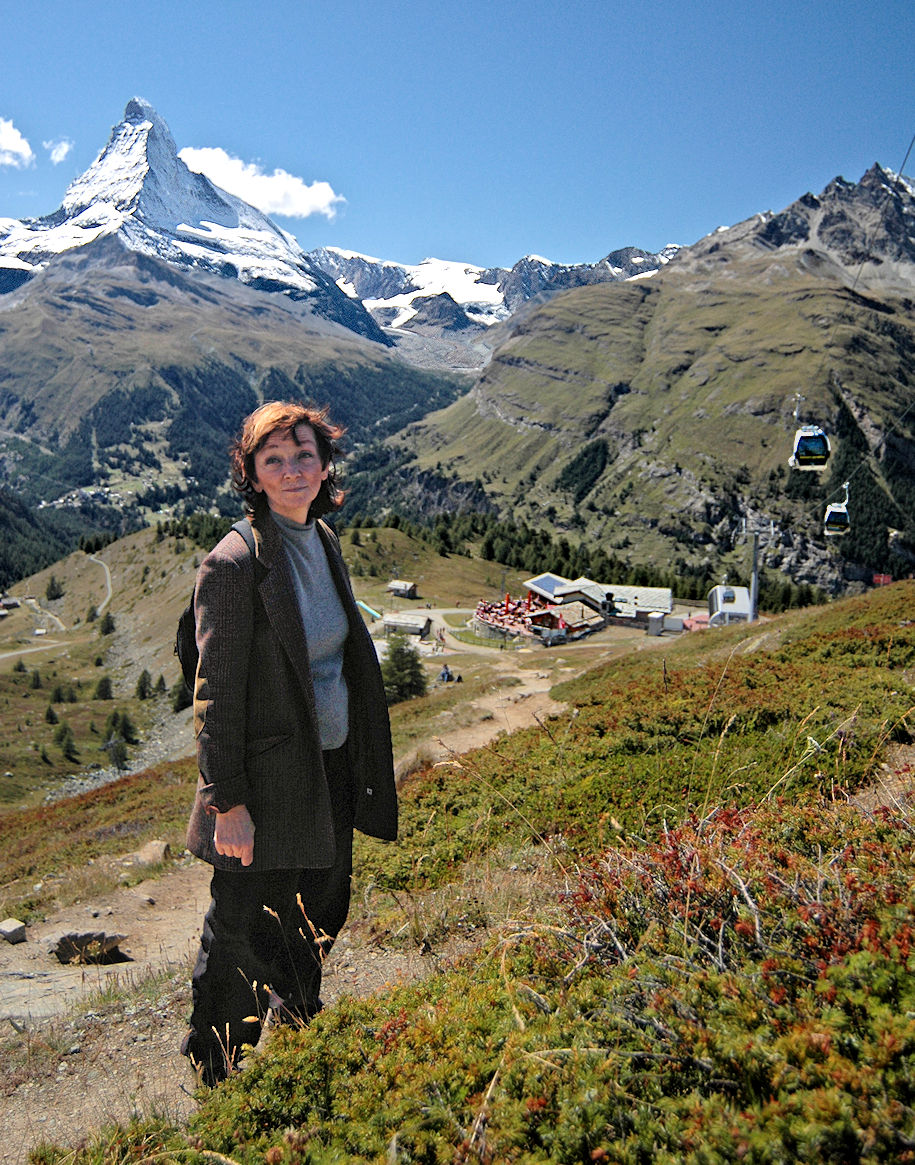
[{"x": 325, "y": 626}]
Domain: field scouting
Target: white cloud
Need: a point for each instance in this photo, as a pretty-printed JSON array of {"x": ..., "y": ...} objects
[
  {"x": 276, "y": 193},
  {"x": 14, "y": 149},
  {"x": 58, "y": 150}
]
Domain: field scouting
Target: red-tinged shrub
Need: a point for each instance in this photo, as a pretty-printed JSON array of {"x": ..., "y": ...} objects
[{"x": 728, "y": 889}]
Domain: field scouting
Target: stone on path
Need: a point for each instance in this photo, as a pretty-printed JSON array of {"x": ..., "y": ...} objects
[
  {"x": 12, "y": 930},
  {"x": 92, "y": 947},
  {"x": 151, "y": 854}
]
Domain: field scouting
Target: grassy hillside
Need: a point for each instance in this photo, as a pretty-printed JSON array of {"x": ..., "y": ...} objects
[
  {"x": 126, "y": 380},
  {"x": 716, "y": 965},
  {"x": 687, "y": 383},
  {"x": 51, "y": 681}
]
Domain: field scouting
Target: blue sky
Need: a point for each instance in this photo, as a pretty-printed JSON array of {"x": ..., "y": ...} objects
[{"x": 479, "y": 131}]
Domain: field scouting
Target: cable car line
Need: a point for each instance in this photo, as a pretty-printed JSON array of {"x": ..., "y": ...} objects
[{"x": 812, "y": 447}]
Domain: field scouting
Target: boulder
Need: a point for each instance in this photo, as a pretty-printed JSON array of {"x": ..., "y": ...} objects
[
  {"x": 151, "y": 854},
  {"x": 12, "y": 930},
  {"x": 87, "y": 947}
]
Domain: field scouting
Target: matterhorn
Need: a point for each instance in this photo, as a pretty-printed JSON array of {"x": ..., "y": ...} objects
[{"x": 140, "y": 192}]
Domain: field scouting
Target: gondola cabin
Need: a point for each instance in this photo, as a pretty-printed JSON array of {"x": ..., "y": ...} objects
[
  {"x": 811, "y": 449},
  {"x": 836, "y": 521}
]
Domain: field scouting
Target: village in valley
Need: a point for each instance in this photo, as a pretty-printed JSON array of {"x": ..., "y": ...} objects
[{"x": 556, "y": 610}]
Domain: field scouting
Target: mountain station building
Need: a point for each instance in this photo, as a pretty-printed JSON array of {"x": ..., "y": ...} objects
[
  {"x": 400, "y": 623},
  {"x": 557, "y": 609}
]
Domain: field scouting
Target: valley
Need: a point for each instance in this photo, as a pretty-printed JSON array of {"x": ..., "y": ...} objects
[{"x": 643, "y": 403}]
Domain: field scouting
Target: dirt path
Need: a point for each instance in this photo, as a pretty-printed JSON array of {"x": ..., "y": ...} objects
[
  {"x": 73, "y": 1059},
  {"x": 107, "y": 1061},
  {"x": 85, "y": 1061},
  {"x": 504, "y": 710}
]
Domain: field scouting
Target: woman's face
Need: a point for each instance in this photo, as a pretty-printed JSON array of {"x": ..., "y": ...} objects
[{"x": 289, "y": 472}]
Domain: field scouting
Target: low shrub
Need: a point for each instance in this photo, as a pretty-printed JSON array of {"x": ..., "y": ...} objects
[
  {"x": 739, "y": 989},
  {"x": 731, "y": 974}
]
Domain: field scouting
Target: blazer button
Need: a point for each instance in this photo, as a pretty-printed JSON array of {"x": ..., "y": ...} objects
[{"x": 368, "y": 791}]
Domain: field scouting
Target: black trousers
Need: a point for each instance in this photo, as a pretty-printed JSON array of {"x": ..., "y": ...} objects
[{"x": 265, "y": 937}]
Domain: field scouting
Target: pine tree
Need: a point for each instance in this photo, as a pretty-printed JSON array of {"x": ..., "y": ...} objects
[
  {"x": 181, "y": 696},
  {"x": 402, "y": 671},
  {"x": 63, "y": 737},
  {"x": 117, "y": 752}
]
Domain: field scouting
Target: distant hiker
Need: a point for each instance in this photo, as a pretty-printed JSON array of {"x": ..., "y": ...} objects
[
  {"x": 293, "y": 740},
  {"x": 445, "y": 674}
]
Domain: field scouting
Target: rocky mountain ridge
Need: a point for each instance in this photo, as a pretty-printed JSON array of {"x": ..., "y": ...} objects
[
  {"x": 866, "y": 229},
  {"x": 396, "y": 294},
  {"x": 655, "y": 417}
]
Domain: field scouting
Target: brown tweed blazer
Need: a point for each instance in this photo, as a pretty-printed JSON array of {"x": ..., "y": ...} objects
[{"x": 254, "y": 710}]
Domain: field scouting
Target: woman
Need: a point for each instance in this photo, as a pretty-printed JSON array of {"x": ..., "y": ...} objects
[{"x": 293, "y": 740}]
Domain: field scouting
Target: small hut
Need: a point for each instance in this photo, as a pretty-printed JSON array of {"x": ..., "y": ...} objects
[{"x": 402, "y": 589}]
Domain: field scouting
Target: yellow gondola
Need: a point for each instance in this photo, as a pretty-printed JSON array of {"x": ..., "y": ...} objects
[{"x": 811, "y": 449}]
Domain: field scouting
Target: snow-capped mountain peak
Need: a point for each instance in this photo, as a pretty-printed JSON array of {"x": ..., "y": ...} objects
[
  {"x": 396, "y": 293},
  {"x": 391, "y": 290},
  {"x": 140, "y": 190},
  {"x": 139, "y": 157},
  {"x": 140, "y": 193}
]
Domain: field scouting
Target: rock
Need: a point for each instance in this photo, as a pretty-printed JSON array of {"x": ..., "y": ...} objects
[
  {"x": 12, "y": 930},
  {"x": 92, "y": 947},
  {"x": 151, "y": 854}
]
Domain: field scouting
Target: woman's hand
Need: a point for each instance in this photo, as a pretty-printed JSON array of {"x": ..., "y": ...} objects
[{"x": 234, "y": 834}]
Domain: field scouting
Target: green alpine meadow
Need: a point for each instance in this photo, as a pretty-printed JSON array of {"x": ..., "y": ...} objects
[{"x": 709, "y": 951}]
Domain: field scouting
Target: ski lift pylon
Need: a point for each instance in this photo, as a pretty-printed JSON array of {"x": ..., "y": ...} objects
[
  {"x": 836, "y": 522},
  {"x": 811, "y": 449}
]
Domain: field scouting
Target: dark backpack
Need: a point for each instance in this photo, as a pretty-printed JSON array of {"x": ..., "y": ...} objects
[{"x": 186, "y": 635}]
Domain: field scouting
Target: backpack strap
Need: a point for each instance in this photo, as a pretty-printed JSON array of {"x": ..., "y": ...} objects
[
  {"x": 244, "y": 528},
  {"x": 185, "y": 641}
]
